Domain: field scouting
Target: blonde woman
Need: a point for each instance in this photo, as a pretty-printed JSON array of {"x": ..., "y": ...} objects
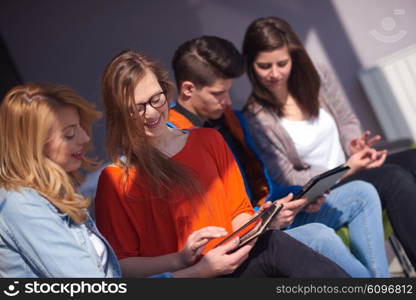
[{"x": 45, "y": 229}]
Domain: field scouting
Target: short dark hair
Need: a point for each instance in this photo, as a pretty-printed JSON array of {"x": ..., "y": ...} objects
[{"x": 204, "y": 59}]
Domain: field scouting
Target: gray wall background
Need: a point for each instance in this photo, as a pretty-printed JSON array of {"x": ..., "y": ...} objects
[{"x": 70, "y": 42}]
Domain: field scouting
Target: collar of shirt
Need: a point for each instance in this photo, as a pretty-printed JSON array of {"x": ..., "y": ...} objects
[{"x": 193, "y": 118}]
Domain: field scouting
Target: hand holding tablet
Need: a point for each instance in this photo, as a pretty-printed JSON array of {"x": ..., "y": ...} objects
[
  {"x": 312, "y": 190},
  {"x": 321, "y": 184},
  {"x": 255, "y": 227}
]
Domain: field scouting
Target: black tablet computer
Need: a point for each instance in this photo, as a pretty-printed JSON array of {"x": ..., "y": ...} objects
[
  {"x": 320, "y": 184},
  {"x": 255, "y": 227}
]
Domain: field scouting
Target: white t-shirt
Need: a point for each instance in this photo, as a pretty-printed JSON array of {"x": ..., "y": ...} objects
[
  {"x": 317, "y": 141},
  {"x": 99, "y": 247}
]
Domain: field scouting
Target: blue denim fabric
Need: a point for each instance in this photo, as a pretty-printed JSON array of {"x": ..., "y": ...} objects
[
  {"x": 357, "y": 206},
  {"x": 325, "y": 241},
  {"x": 36, "y": 240},
  {"x": 163, "y": 275}
]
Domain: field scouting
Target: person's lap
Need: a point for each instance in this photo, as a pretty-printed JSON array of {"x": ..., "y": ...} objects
[{"x": 277, "y": 254}]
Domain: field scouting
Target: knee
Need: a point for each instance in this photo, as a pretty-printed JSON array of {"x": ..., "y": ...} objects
[
  {"x": 323, "y": 235},
  {"x": 318, "y": 237},
  {"x": 321, "y": 230},
  {"x": 365, "y": 193},
  {"x": 362, "y": 187},
  {"x": 326, "y": 241}
]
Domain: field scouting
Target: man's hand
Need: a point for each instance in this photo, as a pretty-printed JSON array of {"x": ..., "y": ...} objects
[
  {"x": 288, "y": 213},
  {"x": 315, "y": 206}
]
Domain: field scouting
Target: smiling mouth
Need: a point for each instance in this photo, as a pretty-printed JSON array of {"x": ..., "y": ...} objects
[
  {"x": 152, "y": 124},
  {"x": 77, "y": 155}
]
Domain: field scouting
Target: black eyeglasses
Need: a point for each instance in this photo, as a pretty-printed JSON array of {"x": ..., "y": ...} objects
[{"x": 157, "y": 101}]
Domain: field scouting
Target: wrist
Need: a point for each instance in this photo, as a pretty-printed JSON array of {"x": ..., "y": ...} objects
[
  {"x": 350, "y": 172},
  {"x": 194, "y": 271},
  {"x": 354, "y": 167},
  {"x": 180, "y": 261}
]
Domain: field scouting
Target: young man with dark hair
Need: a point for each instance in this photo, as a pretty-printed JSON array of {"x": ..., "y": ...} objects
[{"x": 204, "y": 69}]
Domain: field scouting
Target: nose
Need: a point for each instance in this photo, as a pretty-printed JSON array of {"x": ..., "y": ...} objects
[
  {"x": 84, "y": 138},
  {"x": 227, "y": 99},
  {"x": 274, "y": 72},
  {"x": 150, "y": 111}
]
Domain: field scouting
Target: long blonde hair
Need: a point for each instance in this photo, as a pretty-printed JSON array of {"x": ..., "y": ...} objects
[{"x": 26, "y": 118}]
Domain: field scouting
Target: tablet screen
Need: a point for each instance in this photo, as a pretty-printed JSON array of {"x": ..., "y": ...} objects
[
  {"x": 321, "y": 183},
  {"x": 254, "y": 227}
]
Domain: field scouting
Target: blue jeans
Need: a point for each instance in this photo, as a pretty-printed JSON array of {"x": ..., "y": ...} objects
[
  {"x": 357, "y": 206},
  {"x": 325, "y": 241}
]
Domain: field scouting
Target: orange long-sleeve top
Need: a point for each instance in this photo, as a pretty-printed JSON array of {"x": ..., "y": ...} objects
[
  {"x": 137, "y": 224},
  {"x": 179, "y": 120},
  {"x": 251, "y": 166}
]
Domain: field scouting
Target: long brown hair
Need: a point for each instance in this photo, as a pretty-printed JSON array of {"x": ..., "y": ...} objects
[
  {"x": 267, "y": 34},
  {"x": 26, "y": 117},
  {"x": 127, "y": 143}
]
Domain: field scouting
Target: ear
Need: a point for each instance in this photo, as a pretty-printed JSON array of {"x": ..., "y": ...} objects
[{"x": 187, "y": 89}]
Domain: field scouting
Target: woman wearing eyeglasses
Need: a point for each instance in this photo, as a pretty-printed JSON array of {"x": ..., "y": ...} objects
[{"x": 170, "y": 195}]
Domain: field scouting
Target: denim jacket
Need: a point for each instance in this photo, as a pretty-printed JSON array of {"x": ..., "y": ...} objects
[{"x": 36, "y": 240}]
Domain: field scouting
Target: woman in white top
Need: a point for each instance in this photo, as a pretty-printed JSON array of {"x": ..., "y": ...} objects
[
  {"x": 300, "y": 133},
  {"x": 302, "y": 126},
  {"x": 297, "y": 115}
]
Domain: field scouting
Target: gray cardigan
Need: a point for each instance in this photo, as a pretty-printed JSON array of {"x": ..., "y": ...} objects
[{"x": 276, "y": 147}]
